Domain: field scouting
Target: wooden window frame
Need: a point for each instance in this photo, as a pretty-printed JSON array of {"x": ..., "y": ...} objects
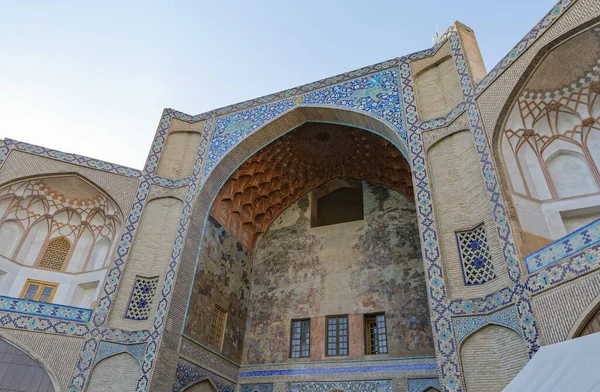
[
  {"x": 301, "y": 339},
  {"x": 213, "y": 325},
  {"x": 337, "y": 335},
  {"x": 368, "y": 321},
  {"x": 42, "y": 284}
]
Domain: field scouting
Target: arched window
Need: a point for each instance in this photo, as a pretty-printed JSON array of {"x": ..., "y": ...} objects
[{"x": 55, "y": 254}]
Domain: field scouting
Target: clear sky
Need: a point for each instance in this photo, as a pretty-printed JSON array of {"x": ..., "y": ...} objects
[{"x": 92, "y": 77}]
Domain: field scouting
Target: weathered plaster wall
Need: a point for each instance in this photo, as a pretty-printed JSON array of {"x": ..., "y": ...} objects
[
  {"x": 355, "y": 268},
  {"x": 222, "y": 278}
]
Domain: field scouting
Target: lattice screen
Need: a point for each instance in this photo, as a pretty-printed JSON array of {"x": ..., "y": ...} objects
[
  {"x": 475, "y": 256},
  {"x": 56, "y": 254},
  {"x": 141, "y": 298}
]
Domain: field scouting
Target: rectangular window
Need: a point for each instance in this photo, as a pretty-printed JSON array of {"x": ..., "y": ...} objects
[
  {"x": 36, "y": 290},
  {"x": 218, "y": 327},
  {"x": 300, "y": 339},
  {"x": 375, "y": 334},
  {"x": 337, "y": 336}
]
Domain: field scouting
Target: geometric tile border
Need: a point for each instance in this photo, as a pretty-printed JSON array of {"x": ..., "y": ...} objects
[
  {"x": 421, "y": 384},
  {"x": 188, "y": 374},
  {"x": 375, "y": 94},
  {"x": 108, "y": 349},
  {"x": 257, "y": 388},
  {"x": 565, "y": 270},
  {"x": 465, "y": 326},
  {"x": 368, "y": 368},
  {"x": 43, "y": 324},
  {"x": 205, "y": 356},
  {"x": 69, "y": 313},
  {"x": 564, "y": 247},
  {"x": 346, "y": 386}
]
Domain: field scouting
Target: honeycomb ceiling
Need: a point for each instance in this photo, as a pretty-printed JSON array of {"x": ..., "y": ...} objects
[{"x": 279, "y": 174}]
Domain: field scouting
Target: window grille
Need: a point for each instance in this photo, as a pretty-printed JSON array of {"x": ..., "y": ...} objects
[
  {"x": 337, "y": 336},
  {"x": 141, "y": 298},
  {"x": 376, "y": 334},
  {"x": 300, "y": 339},
  {"x": 218, "y": 327},
  {"x": 476, "y": 257},
  {"x": 55, "y": 254}
]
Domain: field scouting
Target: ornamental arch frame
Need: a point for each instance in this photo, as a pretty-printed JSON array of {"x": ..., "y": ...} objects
[{"x": 497, "y": 130}]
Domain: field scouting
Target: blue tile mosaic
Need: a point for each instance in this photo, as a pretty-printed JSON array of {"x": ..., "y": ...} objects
[
  {"x": 465, "y": 326},
  {"x": 188, "y": 374},
  {"x": 108, "y": 349},
  {"x": 63, "y": 312},
  {"x": 44, "y": 324},
  {"x": 564, "y": 247},
  {"x": 345, "y": 386},
  {"x": 256, "y": 388},
  {"x": 408, "y": 367},
  {"x": 422, "y": 384}
]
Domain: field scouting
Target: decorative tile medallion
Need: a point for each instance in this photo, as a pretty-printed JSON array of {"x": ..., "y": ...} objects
[
  {"x": 422, "y": 384},
  {"x": 70, "y": 313},
  {"x": 345, "y": 386}
]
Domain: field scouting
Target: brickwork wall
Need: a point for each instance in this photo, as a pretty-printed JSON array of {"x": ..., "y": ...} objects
[
  {"x": 492, "y": 357},
  {"x": 178, "y": 158},
  {"x": 559, "y": 310},
  {"x": 149, "y": 256},
  {"x": 462, "y": 204},
  {"x": 118, "y": 373},
  {"x": 60, "y": 362},
  {"x": 438, "y": 89}
]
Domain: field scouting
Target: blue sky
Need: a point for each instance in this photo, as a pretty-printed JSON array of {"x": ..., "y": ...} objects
[{"x": 93, "y": 77}]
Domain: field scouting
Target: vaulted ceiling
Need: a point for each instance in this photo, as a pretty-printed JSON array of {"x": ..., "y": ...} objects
[{"x": 279, "y": 174}]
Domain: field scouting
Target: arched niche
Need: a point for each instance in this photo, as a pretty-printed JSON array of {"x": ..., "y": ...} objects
[
  {"x": 25, "y": 373},
  {"x": 547, "y": 139},
  {"x": 247, "y": 147},
  {"x": 11, "y": 234},
  {"x": 202, "y": 386},
  {"x": 65, "y": 205},
  {"x": 491, "y": 357},
  {"x": 118, "y": 373}
]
